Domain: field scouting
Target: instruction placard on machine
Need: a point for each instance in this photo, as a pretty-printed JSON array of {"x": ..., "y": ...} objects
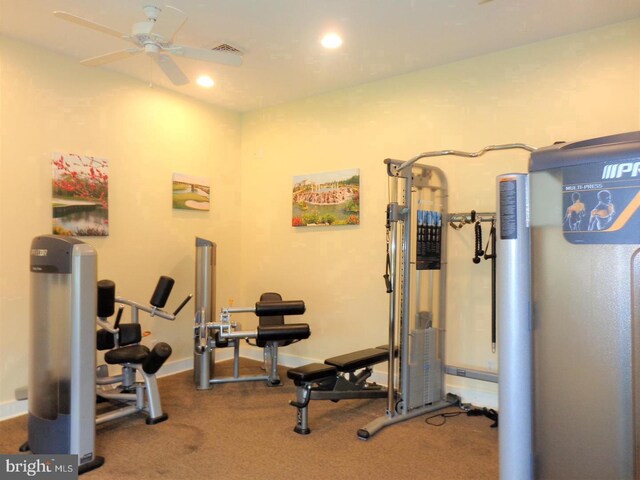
[
  {"x": 429, "y": 240},
  {"x": 601, "y": 203}
]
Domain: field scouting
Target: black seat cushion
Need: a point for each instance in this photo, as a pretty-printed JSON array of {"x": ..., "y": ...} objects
[
  {"x": 130, "y": 354},
  {"x": 273, "y": 319},
  {"x": 360, "y": 359},
  {"x": 310, "y": 372}
]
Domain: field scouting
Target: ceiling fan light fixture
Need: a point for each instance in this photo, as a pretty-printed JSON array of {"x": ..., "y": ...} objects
[
  {"x": 331, "y": 40},
  {"x": 205, "y": 81}
]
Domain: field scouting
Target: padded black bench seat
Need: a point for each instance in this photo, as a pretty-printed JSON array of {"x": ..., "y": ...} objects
[
  {"x": 360, "y": 359},
  {"x": 310, "y": 372},
  {"x": 130, "y": 354}
]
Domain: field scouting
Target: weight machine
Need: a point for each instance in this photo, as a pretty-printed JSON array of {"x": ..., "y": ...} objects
[
  {"x": 122, "y": 342},
  {"x": 62, "y": 351},
  {"x": 416, "y": 284},
  {"x": 209, "y": 336}
]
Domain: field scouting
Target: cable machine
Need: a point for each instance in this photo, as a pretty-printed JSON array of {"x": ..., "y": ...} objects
[{"x": 416, "y": 284}]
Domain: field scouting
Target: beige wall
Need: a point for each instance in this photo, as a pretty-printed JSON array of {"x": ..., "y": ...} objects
[
  {"x": 568, "y": 88},
  {"x": 49, "y": 103}
]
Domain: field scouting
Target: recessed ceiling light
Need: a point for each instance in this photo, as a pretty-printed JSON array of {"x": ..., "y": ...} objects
[
  {"x": 205, "y": 81},
  {"x": 331, "y": 40}
]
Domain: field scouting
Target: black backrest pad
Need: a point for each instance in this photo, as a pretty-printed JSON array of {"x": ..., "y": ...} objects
[
  {"x": 162, "y": 292},
  {"x": 273, "y": 319},
  {"x": 129, "y": 333}
]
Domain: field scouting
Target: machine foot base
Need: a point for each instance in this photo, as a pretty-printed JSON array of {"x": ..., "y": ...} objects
[
  {"x": 97, "y": 462},
  {"x": 302, "y": 431},
  {"x": 153, "y": 421}
]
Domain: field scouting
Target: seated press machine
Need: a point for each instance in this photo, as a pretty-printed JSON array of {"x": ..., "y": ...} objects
[
  {"x": 270, "y": 334},
  {"x": 122, "y": 343}
]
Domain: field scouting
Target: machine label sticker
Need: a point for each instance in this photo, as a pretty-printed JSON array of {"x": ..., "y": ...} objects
[
  {"x": 508, "y": 208},
  {"x": 601, "y": 203}
]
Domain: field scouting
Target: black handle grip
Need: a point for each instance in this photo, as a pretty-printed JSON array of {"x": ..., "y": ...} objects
[
  {"x": 116, "y": 324},
  {"x": 387, "y": 282},
  {"x": 181, "y": 306},
  {"x": 162, "y": 292},
  {"x": 106, "y": 298}
]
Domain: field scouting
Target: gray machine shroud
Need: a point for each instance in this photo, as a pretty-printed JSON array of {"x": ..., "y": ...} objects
[
  {"x": 62, "y": 358},
  {"x": 585, "y": 293}
]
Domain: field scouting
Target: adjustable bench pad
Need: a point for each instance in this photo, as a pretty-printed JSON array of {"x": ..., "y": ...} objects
[
  {"x": 360, "y": 359},
  {"x": 310, "y": 372},
  {"x": 342, "y": 363}
]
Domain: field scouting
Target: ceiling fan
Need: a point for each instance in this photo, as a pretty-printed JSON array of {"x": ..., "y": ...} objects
[{"x": 155, "y": 38}]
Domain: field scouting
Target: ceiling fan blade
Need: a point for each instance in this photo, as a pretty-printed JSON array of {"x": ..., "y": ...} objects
[
  {"x": 110, "y": 57},
  {"x": 171, "y": 69},
  {"x": 169, "y": 21},
  {"x": 89, "y": 24},
  {"x": 207, "y": 55}
]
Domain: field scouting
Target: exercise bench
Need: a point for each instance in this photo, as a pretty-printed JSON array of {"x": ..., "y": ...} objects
[{"x": 338, "y": 378}]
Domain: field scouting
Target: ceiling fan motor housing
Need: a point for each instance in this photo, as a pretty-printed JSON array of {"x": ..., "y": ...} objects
[{"x": 142, "y": 34}]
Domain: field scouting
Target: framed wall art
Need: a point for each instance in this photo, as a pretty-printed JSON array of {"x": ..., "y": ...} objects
[
  {"x": 191, "y": 193},
  {"x": 80, "y": 191},
  {"x": 326, "y": 199}
]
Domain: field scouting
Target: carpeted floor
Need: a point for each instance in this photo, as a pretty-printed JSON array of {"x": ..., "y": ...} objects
[{"x": 245, "y": 431}]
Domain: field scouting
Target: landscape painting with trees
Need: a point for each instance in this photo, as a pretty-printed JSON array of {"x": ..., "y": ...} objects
[
  {"x": 326, "y": 199},
  {"x": 80, "y": 190}
]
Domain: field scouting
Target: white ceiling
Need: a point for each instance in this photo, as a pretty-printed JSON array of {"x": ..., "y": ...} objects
[{"x": 283, "y": 59}]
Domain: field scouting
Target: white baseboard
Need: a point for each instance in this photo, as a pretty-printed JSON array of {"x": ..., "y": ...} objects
[
  {"x": 476, "y": 397},
  {"x": 13, "y": 408}
]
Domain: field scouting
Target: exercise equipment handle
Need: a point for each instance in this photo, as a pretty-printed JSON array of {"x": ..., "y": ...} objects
[
  {"x": 458, "y": 153},
  {"x": 116, "y": 324},
  {"x": 184, "y": 302},
  {"x": 288, "y": 307}
]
